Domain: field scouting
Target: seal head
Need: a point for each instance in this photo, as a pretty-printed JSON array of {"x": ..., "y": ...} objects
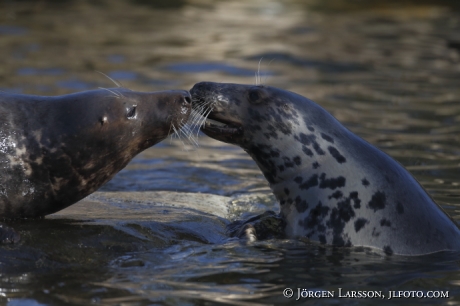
[
  {"x": 332, "y": 186},
  {"x": 54, "y": 151}
]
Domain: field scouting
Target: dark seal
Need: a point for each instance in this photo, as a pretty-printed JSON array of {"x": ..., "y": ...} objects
[
  {"x": 55, "y": 151},
  {"x": 332, "y": 186}
]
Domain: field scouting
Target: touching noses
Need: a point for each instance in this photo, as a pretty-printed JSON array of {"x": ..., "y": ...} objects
[{"x": 186, "y": 99}]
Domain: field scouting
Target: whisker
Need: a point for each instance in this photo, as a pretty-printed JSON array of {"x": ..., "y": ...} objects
[
  {"x": 118, "y": 84},
  {"x": 113, "y": 92},
  {"x": 196, "y": 116},
  {"x": 202, "y": 107},
  {"x": 258, "y": 72},
  {"x": 266, "y": 75},
  {"x": 203, "y": 120},
  {"x": 188, "y": 130},
  {"x": 178, "y": 135},
  {"x": 185, "y": 129}
]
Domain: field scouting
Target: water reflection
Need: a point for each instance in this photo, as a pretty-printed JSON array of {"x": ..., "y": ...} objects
[
  {"x": 209, "y": 67},
  {"x": 387, "y": 69}
]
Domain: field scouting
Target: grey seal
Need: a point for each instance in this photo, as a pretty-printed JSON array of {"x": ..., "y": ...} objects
[
  {"x": 333, "y": 187},
  {"x": 54, "y": 151}
]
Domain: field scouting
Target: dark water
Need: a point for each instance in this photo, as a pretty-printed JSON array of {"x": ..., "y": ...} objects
[{"x": 388, "y": 70}]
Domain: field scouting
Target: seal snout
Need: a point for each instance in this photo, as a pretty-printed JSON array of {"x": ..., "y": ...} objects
[
  {"x": 199, "y": 90},
  {"x": 213, "y": 105},
  {"x": 186, "y": 98},
  {"x": 201, "y": 86}
]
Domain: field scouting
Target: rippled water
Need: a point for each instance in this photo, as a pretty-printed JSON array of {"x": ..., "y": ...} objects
[{"x": 388, "y": 70}]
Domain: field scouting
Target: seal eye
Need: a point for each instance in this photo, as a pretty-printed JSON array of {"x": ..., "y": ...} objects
[
  {"x": 254, "y": 96},
  {"x": 131, "y": 112}
]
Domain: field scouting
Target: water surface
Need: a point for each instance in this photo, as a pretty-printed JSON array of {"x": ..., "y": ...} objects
[{"x": 388, "y": 70}]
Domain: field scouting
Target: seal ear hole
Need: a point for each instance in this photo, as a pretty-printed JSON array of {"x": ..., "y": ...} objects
[
  {"x": 131, "y": 112},
  {"x": 254, "y": 96}
]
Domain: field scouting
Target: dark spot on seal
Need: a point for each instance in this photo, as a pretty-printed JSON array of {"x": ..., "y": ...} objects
[
  {"x": 274, "y": 153},
  {"x": 378, "y": 201},
  {"x": 336, "y": 154},
  {"x": 286, "y": 191},
  {"x": 306, "y": 139},
  {"x": 298, "y": 179},
  {"x": 256, "y": 116},
  {"x": 287, "y": 162},
  {"x": 318, "y": 149},
  {"x": 339, "y": 216},
  {"x": 266, "y": 162},
  {"x": 315, "y": 165},
  {"x": 321, "y": 228},
  {"x": 297, "y": 160},
  {"x": 310, "y": 140},
  {"x": 322, "y": 239},
  {"x": 300, "y": 205},
  {"x": 337, "y": 225},
  {"x": 346, "y": 212},
  {"x": 387, "y": 249},
  {"x": 357, "y": 203},
  {"x": 310, "y": 128},
  {"x": 281, "y": 167},
  {"x": 327, "y": 138},
  {"x": 354, "y": 197},
  {"x": 336, "y": 195},
  {"x": 375, "y": 233},
  {"x": 385, "y": 222},
  {"x": 271, "y": 135},
  {"x": 307, "y": 151},
  {"x": 365, "y": 182},
  {"x": 311, "y": 182},
  {"x": 359, "y": 224},
  {"x": 316, "y": 215},
  {"x": 282, "y": 121},
  {"x": 255, "y": 127},
  {"x": 399, "y": 208},
  {"x": 331, "y": 183}
]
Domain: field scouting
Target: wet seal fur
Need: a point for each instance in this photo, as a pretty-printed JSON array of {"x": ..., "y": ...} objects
[
  {"x": 332, "y": 186},
  {"x": 54, "y": 151}
]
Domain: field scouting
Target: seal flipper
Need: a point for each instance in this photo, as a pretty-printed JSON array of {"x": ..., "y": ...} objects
[
  {"x": 8, "y": 235},
  {"x": 261, "y": 227}
]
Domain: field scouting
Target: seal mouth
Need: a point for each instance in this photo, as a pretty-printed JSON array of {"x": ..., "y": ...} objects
[{"x": 216, "y": 126}]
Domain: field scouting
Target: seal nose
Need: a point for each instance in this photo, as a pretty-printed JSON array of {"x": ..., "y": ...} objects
[
  {"x": 199, "y": 90},
  {"x": 198, "y": 87},
  {"x": 187, "y": 98}
]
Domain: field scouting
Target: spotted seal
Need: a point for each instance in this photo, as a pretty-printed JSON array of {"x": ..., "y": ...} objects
[
  {"x": 332, "y": 186},
  {"x": 54, "y": 151}
]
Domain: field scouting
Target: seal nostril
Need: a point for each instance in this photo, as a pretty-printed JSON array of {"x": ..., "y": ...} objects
[{"x": 188, "y": 100}]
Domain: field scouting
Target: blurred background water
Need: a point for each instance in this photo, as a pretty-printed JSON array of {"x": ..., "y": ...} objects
[{"x": 389, "y": 70}]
